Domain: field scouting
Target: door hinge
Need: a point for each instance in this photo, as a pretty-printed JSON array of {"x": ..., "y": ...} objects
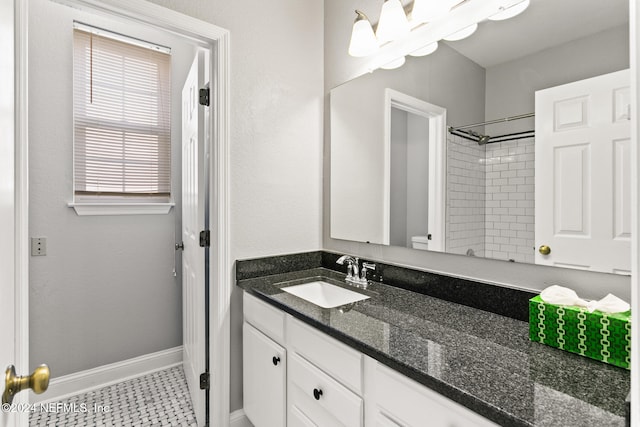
[
  {"x": 204, "y": 381},
  {"x": 205, "y": 239},
  {"x": 428, "y": 236},
  {"x": 204, "y": 96}
]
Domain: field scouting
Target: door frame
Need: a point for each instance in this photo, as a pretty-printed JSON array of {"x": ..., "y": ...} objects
[
  {"x": 19, "y": 245},
  {"x": 437, "y": 117},
  {"x": 217, "y": 41},
  {"x": 634, "y": 44}
]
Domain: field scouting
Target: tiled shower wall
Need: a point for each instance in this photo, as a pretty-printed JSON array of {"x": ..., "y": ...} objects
[
  {"x": 465, "y": 197},
  {"x": 490, "y": 199},
  {"x": 509, "y": 227}
]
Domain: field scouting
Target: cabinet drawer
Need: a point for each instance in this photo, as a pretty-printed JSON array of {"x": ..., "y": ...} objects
[
  {"x": 319, "y": 397},
  {"x": 336, "y": 359},
  {"x": 269, "y": 320},
  {"x": 411, "y": 403},
  {"x": 298, "y": 419},
  {"x": 383, "y": 421}
]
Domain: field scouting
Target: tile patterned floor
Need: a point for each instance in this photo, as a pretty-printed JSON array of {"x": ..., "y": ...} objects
[{"x": 157, "y": 399}]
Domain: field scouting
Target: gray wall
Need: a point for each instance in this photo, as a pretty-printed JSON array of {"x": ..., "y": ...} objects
[
  {"x": 105, "y": 292},
  {"x": 276, "y": 132},
  {"x": 339, "y": 67}
]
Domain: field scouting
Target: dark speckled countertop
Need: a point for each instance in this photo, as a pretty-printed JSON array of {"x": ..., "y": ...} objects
[{"x": 477, "y": 358}]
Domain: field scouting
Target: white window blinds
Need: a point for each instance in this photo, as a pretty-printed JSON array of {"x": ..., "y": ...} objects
[{"x": 122, "y": 119}]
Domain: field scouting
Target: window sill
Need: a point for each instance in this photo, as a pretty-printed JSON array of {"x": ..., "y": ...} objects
[{"x": 93, "y": 209}]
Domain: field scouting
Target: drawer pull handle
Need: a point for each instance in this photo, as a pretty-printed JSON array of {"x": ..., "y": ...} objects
[
  {"x": 275, "y": 360},
  {"x": 317, "y": 393}
]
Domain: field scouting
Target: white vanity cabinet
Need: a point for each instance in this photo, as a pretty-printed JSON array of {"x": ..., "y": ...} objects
[
  {"x": 264, "y": 362},
  {"x": 319, "y": 381}
]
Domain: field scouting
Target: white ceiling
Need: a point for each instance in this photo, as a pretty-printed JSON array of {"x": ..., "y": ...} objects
[{"x": 545, "y": 23}]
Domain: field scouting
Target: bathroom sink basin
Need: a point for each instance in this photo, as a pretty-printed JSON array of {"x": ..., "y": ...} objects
[{"x": 324, "y": 294}]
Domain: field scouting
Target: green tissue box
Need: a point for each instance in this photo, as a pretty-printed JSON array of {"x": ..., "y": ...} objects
[{"x": 600, "y": 336}]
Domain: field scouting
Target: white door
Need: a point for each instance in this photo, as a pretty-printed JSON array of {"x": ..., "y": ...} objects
[
  {"x": 193, "y": 262},
  {"x": 7, "y": 207},
  {"x": 7, "y": 223},
  {"x": 583, "y": 176}
]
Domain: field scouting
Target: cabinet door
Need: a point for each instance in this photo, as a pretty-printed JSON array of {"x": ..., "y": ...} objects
[{"x": 264, "y": 380}]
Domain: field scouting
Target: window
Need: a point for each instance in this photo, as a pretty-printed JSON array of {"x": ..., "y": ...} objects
[{"x": 122, "y": 119}]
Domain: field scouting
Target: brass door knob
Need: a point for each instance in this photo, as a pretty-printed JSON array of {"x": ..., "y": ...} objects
[
  {"x": 544, "y": 250},
  {"x": 38, "y": 381}
]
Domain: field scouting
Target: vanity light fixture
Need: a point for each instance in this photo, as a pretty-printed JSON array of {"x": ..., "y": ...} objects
[
  {"x": 462, "y": 34},
  {"x": 510, "y": 12},
  {"x": 363, "y": 40},
  {"x": 425, "y": 50},
  {"x": 393, "y": 23},
  {"x": 396, "y": 35},
  {"x": 396, "y": 63},
  {"x": 430, "y": 10}
]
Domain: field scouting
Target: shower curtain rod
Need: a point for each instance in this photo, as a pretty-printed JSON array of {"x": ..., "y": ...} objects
[
  {"x": 475, "y": 137},
  {"x": 490, "y": 122}
]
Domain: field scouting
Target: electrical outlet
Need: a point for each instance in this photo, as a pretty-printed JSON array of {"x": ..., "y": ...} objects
[{"x": 38, "y": 246}]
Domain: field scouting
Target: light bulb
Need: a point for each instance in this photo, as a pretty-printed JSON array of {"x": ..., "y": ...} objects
[
  {"x": 396, "y": 63},
  {"x": 462, "y": 34},
  {"x": 510, "y": 12},
  {"x": 425, "y": 50},
  {"x": 393, "y": 22},
  {"x": 363, "y": 40},
  {"x": 430, "y": 10}
]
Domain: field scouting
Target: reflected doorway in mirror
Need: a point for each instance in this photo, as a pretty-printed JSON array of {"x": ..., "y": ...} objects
[{"x": 414, "y": 174}]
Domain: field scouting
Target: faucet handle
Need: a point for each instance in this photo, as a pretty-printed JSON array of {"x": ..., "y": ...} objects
[
  {"x": 366, "y": 266},
  {"x": 349, "y": 270},
  {"x": 369, "y": 265}
]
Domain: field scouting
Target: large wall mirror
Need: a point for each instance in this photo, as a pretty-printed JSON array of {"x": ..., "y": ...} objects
[{"x": 512, "y": 144}]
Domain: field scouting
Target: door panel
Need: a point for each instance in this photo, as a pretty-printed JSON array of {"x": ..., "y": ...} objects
[
  {"x": 193, "y": 262},
  {"x": 572, "y": 207},
  {"x": 583, "y": 179},
  {"x": 622, "y": 188}
]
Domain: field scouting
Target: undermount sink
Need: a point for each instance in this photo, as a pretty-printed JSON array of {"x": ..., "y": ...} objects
[{"x": 324, "y": 294}]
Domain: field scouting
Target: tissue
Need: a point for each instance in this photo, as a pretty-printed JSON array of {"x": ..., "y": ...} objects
[
  {"x": 560, "y": 295},
  {"x": 609, "y": 304}
]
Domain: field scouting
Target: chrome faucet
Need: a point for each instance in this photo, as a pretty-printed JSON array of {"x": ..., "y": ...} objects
[
  {"x": 352, "y": 266},
  {"x": 354, "y": 274}
]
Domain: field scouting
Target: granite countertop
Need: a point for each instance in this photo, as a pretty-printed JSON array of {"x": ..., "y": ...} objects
[{"x": 479, "y": 359}]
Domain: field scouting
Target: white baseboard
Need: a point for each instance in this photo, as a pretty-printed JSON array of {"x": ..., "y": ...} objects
[
  {"x": 102, "y": 376},
  {"x": 239, "y": 419}
]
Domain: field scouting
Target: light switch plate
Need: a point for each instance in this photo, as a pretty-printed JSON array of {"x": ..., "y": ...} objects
[{"x": 38, "y": 246}]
